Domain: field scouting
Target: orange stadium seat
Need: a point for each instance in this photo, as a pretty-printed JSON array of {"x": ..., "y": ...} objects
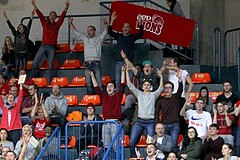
[
  {"x": 126, "y": 141},
  {"x": 78, "y": 81},
  {"x": 214, "y": 95},
  {"x": 193, "y": 96},
  {"x": 29, "y": 65},
  {"x": 105, "y": 80},
  {"x": 71, "y": 143},
  {"x": 62, "y": 81},
  {"x": 10, "y": 82},
  {"x": 123, "y": 99},
  {"x": 46, "y": 66},
  {"x": 201, "y": 78},
  {"x": 79, "y": 47},
  {"x": 94, "y": 99},
  {"x": 72, "y": 99},
  {"x": 64, "y": 47},
  {"x": 142, "y": 142},
  {"x": 70, "y": 64},
  {"x": 40, "y": 82}
]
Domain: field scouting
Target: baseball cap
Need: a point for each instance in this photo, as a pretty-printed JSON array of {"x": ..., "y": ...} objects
[{"x": 146, "y": 62}]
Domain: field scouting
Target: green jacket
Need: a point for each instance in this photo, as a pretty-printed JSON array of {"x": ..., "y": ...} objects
[{"x": 193, "y": 150}]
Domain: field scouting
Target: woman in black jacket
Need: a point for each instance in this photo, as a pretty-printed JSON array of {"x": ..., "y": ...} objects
[
  {"x": 191, "y": 146},
  {"x": 21, "y": 42}
]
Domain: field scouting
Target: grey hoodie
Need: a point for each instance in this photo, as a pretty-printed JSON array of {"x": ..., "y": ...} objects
[{"x": 61, "y": 105}]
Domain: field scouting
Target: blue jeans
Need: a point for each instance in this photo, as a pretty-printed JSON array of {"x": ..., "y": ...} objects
[
  {"x": 237, "y": 142},
  {"x": 173, "y": 131},
  {"x": 20, "y": 61},
  {"x": 44, "y": 50},
  {"x": 94, "y": 66},
  {"x": 138, "y": 127}
]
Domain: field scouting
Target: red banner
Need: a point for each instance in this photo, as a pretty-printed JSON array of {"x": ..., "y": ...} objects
[{"x": 158, "y": 25}]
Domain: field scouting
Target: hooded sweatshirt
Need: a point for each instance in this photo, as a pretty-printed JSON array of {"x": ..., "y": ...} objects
[{"x": 61, "y": 105}]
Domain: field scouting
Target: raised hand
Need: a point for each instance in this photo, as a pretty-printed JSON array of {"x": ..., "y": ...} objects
[
  {"x": 90, "y": 73},
  {"x": 67, "y": 3},
  {"x": 137, "y": 153},
  {"x": 123, "y": 54},
  {"x": 139, "y": 21},
  {"x": 113, "y": 16},
  {"x": 105, "y": 22},
  {"x": 187, "y": 103},
  {"x": 159, "y": 73},
  {"x": 5, "y": 15},
  {"x": 214, "y": 110},
  {"x": 124, "y": 67},
  {"x": 33, "y": 13}
]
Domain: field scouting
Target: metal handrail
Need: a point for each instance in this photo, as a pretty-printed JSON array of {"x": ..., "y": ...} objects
[
  {"x": 225, "y": 43},
  {"x": 57, "y": 132},
  {"x": 217, "y": 35},
  {"x": 119, "y": 128}
]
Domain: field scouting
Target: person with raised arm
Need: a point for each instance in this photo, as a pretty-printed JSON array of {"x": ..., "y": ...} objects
[
  {"x": 11, "y": 118},
  {"x": 111, "y": 106},
  {"x": 125, "y": 42},
  {"x": 49, "y": 38},
  {"x": 146, "y": 109},
  {"x": 92, "y": 52},
  {"x": 21, "y": 42}
]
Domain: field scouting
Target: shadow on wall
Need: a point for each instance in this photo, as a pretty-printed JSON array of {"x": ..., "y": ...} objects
[{"x": 3, "y": 2}]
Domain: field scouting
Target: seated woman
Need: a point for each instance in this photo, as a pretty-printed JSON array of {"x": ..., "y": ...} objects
[
  {"x": 30, "y": 152},
  {"x": 227, "y": 150},
  {"x": 204, "y": 93},
  {"x": 212, "y": 147},
  {"x": 41, "y": 119},
  {"x": 4, "y": 140},
  {"x": 191, "y": 147}
]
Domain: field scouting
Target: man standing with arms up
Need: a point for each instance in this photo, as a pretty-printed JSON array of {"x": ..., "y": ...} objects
[
  {"x": 125, "y": 42},
  {"x": 49, "y": 38},
  {"x": 92, "y": 52}
]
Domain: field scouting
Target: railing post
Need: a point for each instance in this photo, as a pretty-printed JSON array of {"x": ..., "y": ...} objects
[{"x": 238, "y": 70}]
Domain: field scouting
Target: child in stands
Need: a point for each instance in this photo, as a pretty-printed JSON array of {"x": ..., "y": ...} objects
[
  {"x": 42, "y": 119},
  {"x": 11, "y": 118},
  {"x": 4, "y": 139}
]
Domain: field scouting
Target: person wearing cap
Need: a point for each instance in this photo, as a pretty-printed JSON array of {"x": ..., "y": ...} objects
[
  {"x": 146, "y": 74},
  {"x": 167, "y": 110},
  {"x": 91, "y": 134},
  {"x": 146, "y": 109}
]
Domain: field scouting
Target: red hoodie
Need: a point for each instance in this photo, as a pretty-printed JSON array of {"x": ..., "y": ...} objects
[{"x": 50, "y": 30}]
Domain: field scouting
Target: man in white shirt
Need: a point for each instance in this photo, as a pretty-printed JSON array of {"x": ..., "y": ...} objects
[
  {"x": 198, "y": 118},
  {"x": 92, "y": 52}
]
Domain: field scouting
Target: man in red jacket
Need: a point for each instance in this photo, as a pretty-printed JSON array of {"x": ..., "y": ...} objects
[{"x": 49, "y": 38}]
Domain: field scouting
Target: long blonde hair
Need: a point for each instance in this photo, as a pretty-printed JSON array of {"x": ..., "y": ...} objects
[{"x": 5, "y": 48}]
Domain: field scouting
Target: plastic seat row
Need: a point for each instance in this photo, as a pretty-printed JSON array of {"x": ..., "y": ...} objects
[
  {"x": 65, "y": 47},
  {"x": 67, "y": 64},
  {"x": 78, "y": 81},
  {"x": 86, "y": 99},
  {"x": 194, "y": 95}
]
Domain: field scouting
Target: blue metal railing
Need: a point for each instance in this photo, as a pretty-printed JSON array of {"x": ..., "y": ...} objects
[
  {"x": 118, "y": 139},
  {"x": 50, "y": 147},
  {"x": 217, "y": 50}
]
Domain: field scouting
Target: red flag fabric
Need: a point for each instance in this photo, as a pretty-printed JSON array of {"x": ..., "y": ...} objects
[{"x": 158, "y": 25}]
